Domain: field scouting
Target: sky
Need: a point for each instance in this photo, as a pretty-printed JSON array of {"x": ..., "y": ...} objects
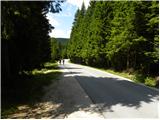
[{"x": 63, "y": 21}]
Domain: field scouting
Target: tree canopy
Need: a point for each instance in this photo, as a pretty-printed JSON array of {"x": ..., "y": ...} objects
[
  {"x": 25, "y": 35},
  {"x": 117, "y": 34}
]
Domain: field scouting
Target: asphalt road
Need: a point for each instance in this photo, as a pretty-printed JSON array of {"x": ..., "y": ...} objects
[{"x": 115, "y": 96}]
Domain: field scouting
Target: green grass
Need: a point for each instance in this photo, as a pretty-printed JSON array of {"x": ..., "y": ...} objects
[
  {"x": 149, "y": 81},
  {"x": 136, "y": 77},
  {"x": 123, "y": 74},
  {"x": 28, "y": 88},
  {"x": 50, "y": 65}
]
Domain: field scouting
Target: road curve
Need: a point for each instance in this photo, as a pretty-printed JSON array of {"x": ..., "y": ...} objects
[{"x": 115, "y": 96}]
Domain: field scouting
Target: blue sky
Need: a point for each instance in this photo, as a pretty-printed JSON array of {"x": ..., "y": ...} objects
[{"x": 63, "y": 21}]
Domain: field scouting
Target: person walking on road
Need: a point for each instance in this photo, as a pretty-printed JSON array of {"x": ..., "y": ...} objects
[
  {"x": 59, "y": 61},
  {"x": 63, "y": 61}
]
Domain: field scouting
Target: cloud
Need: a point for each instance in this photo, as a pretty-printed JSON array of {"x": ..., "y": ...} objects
[
  {"x": 52, "y": 20},
  {"x": 60, "y": 33},
  {"x": 68, "y": 33},
  {"x": 78, "y": 3},
  {"x": 68, "y": 14},
  {"x": 63, "y": 21}
]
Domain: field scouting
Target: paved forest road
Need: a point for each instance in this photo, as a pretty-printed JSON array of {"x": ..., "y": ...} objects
[{"x": 116, "y": 97}]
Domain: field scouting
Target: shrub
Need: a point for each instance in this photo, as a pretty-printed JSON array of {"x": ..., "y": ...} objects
[
  {"x": 149, "y": 81},
  {"x": 139, "y": 78}
]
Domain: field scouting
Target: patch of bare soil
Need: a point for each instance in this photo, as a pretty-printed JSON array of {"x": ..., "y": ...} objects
[{"x": 44, "y": 109}]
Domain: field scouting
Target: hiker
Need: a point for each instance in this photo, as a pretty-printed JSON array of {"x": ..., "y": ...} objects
[
  {"x": 59, "y": 61},
  {"x": 63, "y": 61}
]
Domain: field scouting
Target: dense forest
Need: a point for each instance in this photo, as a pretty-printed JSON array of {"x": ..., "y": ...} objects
[
  {"x": 26, "y": 52},
  {"x": 25, "y": 38},
  {"x": 63, "y": 41},
  {"x": 122, "y": 35},
  {"x": 58, "y": 48},
  {"x": 118, "y": 35}
]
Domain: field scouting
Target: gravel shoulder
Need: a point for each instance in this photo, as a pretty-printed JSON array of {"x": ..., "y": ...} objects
[{"x": 63, "y": 99}]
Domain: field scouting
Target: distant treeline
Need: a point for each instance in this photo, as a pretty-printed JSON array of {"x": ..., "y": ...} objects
[
  {"x": 58, "y": 48},
  {"x": 121, "y": 35}
]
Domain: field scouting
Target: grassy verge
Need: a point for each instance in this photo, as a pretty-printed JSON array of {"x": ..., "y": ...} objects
[
  {"x": 136, "y": 77},
  {"x": 28, "y": 88},
  {"x": 123, "y": 74}
]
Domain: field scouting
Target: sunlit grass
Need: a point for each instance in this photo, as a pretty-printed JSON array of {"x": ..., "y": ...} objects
[
  {"x": 50, "y": 65},
  {"x": 138, "y": 78},
  {"x": 150, "y": 81},
  {"x": 123, "y": 74},
  {"x": 43, "y": 71}
]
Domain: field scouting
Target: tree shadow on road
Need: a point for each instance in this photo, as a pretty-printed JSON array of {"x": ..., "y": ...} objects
[
  {"x": 105, "y": 92},
  {"x": 113, "y": 91}
]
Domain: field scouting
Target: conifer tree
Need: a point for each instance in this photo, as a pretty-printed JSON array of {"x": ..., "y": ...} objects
[{"x": 117, "y": 34}]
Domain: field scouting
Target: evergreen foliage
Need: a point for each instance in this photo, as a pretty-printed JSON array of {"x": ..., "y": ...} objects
[
  {"x": 25, "y": 36},
  {"x": 122, "y": 35},
  {"x": 58, "y": 48}
]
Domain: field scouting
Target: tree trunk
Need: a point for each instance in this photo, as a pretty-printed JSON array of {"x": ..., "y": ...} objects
[{"x": 6, "y": 74}]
